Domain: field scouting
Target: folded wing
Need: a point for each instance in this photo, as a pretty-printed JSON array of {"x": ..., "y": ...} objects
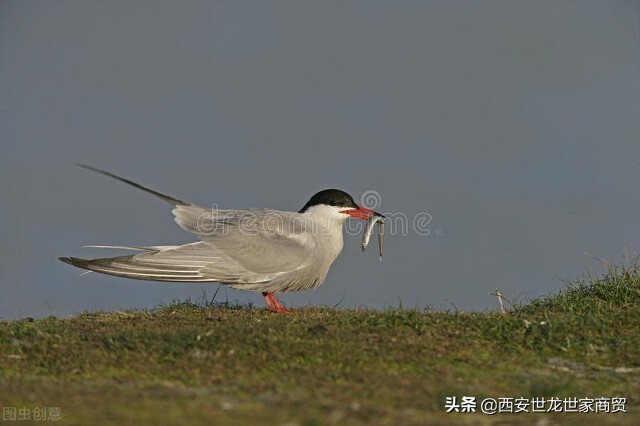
[
  {"x": 259, "y": 240},
  {"x": 239, "y": 247}
]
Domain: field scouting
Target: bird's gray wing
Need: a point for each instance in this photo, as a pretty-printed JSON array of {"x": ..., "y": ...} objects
[
  {"x": 259, "y": 240},
  {"x": 238, "y": 247},
  {"x": 242, "y": 245},
  {"x": 195, "y": 262}
]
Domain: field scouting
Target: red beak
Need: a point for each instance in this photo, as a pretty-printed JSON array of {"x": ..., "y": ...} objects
[{"x": 360, "y": 213}]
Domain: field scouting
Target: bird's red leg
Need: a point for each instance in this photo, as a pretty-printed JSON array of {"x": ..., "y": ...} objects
[
  {"x": 268, "y": 300},
  {"x": 272, "y": 303},
  {"x": 276, "y": 305}
]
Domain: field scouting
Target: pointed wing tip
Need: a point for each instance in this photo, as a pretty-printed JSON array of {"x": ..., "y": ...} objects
[
  {"x": 169, "y": 199},
  {"x": 85, "y": 166},
  {"x": 93, "y": 169},
  {"x": 74, "y": 261}
]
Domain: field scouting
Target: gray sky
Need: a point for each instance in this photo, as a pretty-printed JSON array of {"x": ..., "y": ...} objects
[{"x": 515, "y": 125}]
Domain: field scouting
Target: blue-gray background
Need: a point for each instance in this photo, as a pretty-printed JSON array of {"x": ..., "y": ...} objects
[{"x": 514, "y": 124}]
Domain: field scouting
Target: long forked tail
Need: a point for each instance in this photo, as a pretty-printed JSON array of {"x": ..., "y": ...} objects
[
  {"x": 124, "y": 267},
  {"x": 169, "y": 199}
]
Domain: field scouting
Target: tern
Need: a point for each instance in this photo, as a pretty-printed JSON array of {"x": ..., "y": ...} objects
[{"x": 261, "y": 250}]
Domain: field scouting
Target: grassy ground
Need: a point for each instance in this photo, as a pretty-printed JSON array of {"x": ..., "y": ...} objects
[{"x": 189, "y": 364}]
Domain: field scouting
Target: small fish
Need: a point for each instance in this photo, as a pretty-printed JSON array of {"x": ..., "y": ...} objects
[
  {"x": 380, "y": 238},
  {"x": 368, "y": 230}
]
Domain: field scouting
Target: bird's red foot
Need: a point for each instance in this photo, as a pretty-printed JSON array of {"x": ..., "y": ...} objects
[{"x": 273, "y": 304}]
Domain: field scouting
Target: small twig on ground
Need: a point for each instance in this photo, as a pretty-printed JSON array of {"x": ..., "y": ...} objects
[{"x": 499, "y": 296}]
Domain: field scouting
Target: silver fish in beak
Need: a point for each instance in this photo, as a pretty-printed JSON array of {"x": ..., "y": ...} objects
[
  {"x": 368, "y": 230},
  {"x": 380, "y": 238}
]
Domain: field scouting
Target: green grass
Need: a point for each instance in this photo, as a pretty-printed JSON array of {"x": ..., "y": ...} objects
[{"x": 199, "y": 364}]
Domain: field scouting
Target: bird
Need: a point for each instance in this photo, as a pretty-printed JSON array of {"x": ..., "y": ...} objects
[{"x": 257, "y": 249}]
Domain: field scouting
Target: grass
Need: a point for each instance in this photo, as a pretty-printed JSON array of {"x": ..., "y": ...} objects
[{"x": 224, "y": 364}]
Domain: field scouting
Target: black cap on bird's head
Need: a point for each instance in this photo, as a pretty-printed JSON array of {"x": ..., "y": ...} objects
[
  {"x": 331, "y": 197},
  {"x": 338, "y": 198}
]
